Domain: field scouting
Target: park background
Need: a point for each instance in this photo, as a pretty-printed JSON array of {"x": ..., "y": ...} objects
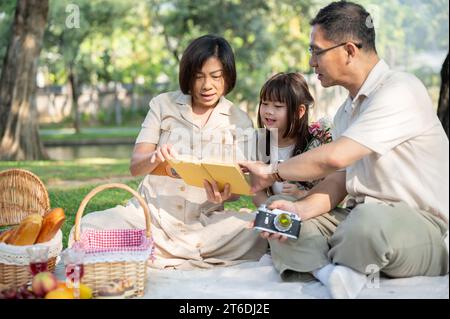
[{"x": 101, "y": 61}]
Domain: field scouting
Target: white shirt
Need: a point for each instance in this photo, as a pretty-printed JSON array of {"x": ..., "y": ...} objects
[
  {"x": 392, "y": 114},
  {"x": 283, "y": 153}
]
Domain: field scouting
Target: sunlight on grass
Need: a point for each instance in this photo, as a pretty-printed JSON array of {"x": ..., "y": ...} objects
[
  {"x": 79, "y": 169},
  {"x": 101, "y": 160},
  {"x": 68, "y": 134},
  {"x": 65, "y": 163}
]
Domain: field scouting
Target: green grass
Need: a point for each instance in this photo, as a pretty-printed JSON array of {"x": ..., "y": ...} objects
[
  {"x": 243, "y": 202},
  {"x": 80, "y": 169},
  {"x": 70, "y": 201},
  {"x": 88, "y": 134}
]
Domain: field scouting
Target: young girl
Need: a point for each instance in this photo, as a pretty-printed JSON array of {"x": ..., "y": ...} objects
[{"x": 283, "y": 111}]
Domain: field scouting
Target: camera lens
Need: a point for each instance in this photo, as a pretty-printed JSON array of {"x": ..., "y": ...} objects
[{"x": 283, "y": 222}]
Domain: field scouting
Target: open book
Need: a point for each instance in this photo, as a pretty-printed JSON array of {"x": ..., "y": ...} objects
[{"x": 194, "y": 172}]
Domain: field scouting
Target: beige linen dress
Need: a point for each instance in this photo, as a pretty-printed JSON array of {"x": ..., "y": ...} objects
[{"x": 188, "y": 230}]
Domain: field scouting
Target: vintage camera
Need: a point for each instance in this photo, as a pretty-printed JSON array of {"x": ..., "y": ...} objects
[{"x": 277, "y": 221}]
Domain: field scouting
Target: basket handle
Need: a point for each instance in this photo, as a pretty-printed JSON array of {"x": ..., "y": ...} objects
[{"x": 101, "y": 188}]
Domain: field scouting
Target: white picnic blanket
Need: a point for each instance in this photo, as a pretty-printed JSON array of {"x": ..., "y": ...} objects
[{"x": 259, "y": 280}]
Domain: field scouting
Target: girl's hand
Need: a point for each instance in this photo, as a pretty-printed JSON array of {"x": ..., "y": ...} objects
[
  {"x": 289, "y": 189},
  {"x": 213, "y": 193},
  {"x": 301, "y": 193},
  {"x": 293, "y": 190},
  {"x": 272, "y": 236},
  {"x": 267, "y": 235}
]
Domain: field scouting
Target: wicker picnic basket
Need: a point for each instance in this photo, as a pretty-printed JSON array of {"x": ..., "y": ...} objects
[
  {"x": 114, "y": 254},
  {"x": 22, "y": 193}
]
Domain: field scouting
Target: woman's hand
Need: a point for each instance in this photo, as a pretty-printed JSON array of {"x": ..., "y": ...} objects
[
  {"x": 215, "y": 196},
  {"x": 145, "y": 159},
  {"x": 261, "y": 174},
  {"x": 162, "y": 153}
]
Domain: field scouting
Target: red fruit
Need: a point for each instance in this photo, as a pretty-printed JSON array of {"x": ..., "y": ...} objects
[
  {"x": 43, "y": 283},
  {"x": 9, "y": 293}
]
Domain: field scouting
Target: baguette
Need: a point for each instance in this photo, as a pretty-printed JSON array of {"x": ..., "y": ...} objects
[
  {"x": 6, "y": 234},
  {"x": 27, "y": 232},
  {"x": 51, "y": 224}
]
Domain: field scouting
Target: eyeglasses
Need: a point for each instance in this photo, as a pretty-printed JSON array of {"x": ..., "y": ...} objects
[{"x": 316, "y": 52}]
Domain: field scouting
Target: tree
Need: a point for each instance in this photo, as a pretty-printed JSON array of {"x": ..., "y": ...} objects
[
  {"x": 443, "y": 111},
  {"x": 252, "y": 27},
  {"x": 95, "y": 17},
  {"x": 19, "y": 136}
]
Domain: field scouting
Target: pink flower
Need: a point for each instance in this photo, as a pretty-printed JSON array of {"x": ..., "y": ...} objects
[
  {"x": 321, "y": 130},
  {"x": 314, "y": 127}
]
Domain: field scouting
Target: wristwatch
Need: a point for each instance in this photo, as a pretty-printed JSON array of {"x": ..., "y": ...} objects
[{"x": 276, "y": 175}]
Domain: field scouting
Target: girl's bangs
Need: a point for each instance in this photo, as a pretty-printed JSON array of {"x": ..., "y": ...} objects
[{"x": 275, "y": 91}]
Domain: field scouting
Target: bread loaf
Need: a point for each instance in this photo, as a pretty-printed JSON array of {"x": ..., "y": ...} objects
[
  {"x": 51, "y": 224},
  {"x": 6, "y": 234},
  {"x": 27, "y": 232}
]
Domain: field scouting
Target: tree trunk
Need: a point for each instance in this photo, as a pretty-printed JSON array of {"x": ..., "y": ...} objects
[
  {"x": 75, "y": 91},
  {"x": 19, "y": 134},
  {"x": 133, "y": 98},
  {"x": 443, "y": 111},
  {"x": 117, "y": 106},
  {"x": 171, "y": 49},
  {"x": 65, "y": 106}
]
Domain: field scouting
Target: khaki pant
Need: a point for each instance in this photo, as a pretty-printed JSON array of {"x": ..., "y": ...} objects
[{"x": 395, "y": 239}]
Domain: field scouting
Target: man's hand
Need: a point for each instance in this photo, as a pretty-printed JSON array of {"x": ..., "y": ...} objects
[
  {"x": 260, "y": 173},
  {"x": 285, "y": 205},
  {"x": 215, "y": 196}
]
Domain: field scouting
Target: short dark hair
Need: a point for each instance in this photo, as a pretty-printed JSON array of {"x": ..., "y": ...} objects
[
  {"x": 196, "y": 54},
  {"x": 346, "y": 21},
  {"x": 292, "y": 89}
]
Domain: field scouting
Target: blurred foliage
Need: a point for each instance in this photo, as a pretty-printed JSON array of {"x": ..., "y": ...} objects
[
  {"x": 139, "y": 42},
  {"x": 407, "y": 27},
  {"x": 255, "y": 29},
  {"x": 7, "y": 8}
]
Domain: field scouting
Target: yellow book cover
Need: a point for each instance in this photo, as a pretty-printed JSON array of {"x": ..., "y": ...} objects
[{"x": 193, "y": 172}]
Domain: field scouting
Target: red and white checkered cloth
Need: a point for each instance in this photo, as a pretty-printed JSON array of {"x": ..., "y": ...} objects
[{"x": 114, "y": 240}]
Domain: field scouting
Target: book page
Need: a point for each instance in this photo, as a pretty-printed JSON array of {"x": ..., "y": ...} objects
[
  {"x": 191, "y": 171},
  {"x": 230, "y": 173}
]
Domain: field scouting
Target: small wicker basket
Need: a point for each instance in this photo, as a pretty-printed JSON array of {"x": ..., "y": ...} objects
[
  {"x": 99, "y": 274},
  {"x": 21, "y": 194}
]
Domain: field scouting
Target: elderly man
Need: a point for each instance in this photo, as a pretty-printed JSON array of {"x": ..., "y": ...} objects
[{"x": 390, "y": 155}]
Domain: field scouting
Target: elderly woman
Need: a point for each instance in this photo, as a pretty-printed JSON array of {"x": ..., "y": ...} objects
[{"x": 190, "y": 231}]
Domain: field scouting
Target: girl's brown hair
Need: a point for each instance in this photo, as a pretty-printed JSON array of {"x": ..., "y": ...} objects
[{"x": 291, "y": 89}]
